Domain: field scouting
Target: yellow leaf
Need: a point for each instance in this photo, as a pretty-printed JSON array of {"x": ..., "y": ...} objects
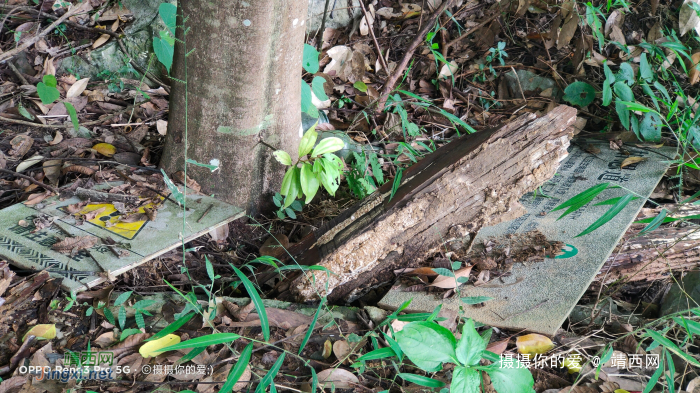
[
  {"x": 631, "y": 160},
  {"x": 42, "y": 332},
  {"x": 533, "y": 344},
  {"x": 621, "y": 391},
  {"x": 152, "y": 348},
  {"x": 327, "y": 349},
  {"x": 105, "y": 149}
]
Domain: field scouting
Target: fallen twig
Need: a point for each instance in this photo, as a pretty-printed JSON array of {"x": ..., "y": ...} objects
[
  {"x": 394, "y": 77},
  {"x": 12, "y": 53},
  {"x": 31, "y": 180},
  {"x": 376, "y": 44}
]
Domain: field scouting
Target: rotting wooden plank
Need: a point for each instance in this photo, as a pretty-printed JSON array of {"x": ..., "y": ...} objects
[{"x": 472, "y": 182}]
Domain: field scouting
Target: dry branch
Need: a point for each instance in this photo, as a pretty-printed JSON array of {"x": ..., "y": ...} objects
[{"x": 469, "y": 183}]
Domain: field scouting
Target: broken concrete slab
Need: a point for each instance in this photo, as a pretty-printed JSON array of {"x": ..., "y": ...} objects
[
  {"x": 538, "y": 297},
  {"x": 26, "y": 247}
]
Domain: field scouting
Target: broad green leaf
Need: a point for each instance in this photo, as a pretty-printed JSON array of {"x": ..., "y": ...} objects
[
  {"x": 612, "y": 212},
  {"x": 609, "y": 75},
  {"x": 634, "y": 124},
  {"x": 50, "y": 80},
  {"x": 668, "y": 344},
  {"x": 310, "y": 59},
  {"x": 394, "y": 345},
  {"x": 579, "y": 200},
  {"x": 651, "y": 126},
  {"x": 579, "y": 93},
  {"x": 317, "y": 88},
  {"x": 73, "y": 115},
  {"x": 443, "y": 272},
  {"x": 511, "y": 380},
  {"x": 172, "y": 327},
  {"x": 204, "y": 341},
  {"x": 427, "y": 344},
  {"x": 287, "y": 181},
  {"x": 644, "y": 69},
  {"x": 238, "y": 370},
  {"x": 164, "y": 51},
  {"x": 270, "y": 376},
  {"x": 607, "y": 94},
  {"x": 378, "y": 354},
  {"x": 328, "y": 145},
  {"x": 24, "y": 112},
  {"x": 330, "y": 181},
  {"x": 360, "y": 85},
  {"x": 122, "y": 298},
  {"x": 47, "y": 94},
  {"x": 282, "y": 157},
  {"x": 422, "y": 380},
  {"x": 294, "y": 188},
  {"x": 257, "y": 301},
  {"x": 128, "y": 332},
  {"x": 308, "y": 141},
  {"x": 168, "y": 12},
  {"x": 623, "y": 112},
  {"x": 627, "y": 73},
  {"x": 623, "y": 91},
  {"x": 649, "y": 92},
  {"x": 313, "y": 324},
  {"x": 307, "y": 105},
  {"x": 309, "y": 182},
  {"x": 465, "y": 380},
  {"x": 476, "y": 299},
  {"x": 470, "y": 345},
  {"x": 45, "y": 331}
]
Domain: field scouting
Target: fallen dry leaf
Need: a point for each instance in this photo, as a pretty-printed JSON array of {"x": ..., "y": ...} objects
[
  {"x": 327, "y": 349},
  {"x": 631, "y": 160},
  {"x": 451, "y": 282},
  {"x": 533, "y": 344},
  {"x": 78, "y": 88},
  {"x": 42, "y": 332},
  {"x": 694, "y": 73},
  {"x": 498, "y": 347},
  {"x": 37, "y": 198},
  {"x": 101, "y": 41},
  {"x": 56, "y": 139},
  {"x": 71, "y": 245},
  {"x": 20, "y": 145},
  {"x": 340, "y": 378},
  {"x": 162, "y": 127},
  {"x": 52, "y": 170}
]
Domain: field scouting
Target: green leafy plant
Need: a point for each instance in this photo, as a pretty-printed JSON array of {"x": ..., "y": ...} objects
[
  {"x": 164, "y": 44},
  {"x": 579, "y": 93},
  {"x": 71, "y": 301},
  {"x": 284, "y": 212},
  {"x": 429, "y": 345},
  {"x": 365, "y": 174},
  {"x": 48, "y": 93},
  {"x": 310, "y": 64},
  {"x": 315, "y": 166}
]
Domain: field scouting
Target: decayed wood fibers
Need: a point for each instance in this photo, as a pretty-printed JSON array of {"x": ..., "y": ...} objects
[{"x": 480, "y": 188}]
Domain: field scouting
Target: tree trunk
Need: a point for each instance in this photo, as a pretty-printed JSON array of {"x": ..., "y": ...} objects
[
  {"x": 243, "y": 95},
  {"x": 472, "y": 182}
]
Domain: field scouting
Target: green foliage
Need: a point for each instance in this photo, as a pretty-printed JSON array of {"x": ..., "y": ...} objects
[
  {"x": 48, "y": 93},
  {"x": 315, "y": 166},
  {"x": 429, "y": 345},
  {"x": 285, "y": 212},
  {"x": 310, "y": 64},
  {"x": 257, "y": 301},
  {"x": 238, "y": 370},
  {"x": 579, "y": 93},
  {"x": 164, "y": 44},
  {"x": 365, "y": 174}
]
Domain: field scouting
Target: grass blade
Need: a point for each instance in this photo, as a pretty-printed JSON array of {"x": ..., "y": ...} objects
[
  {"x": 654, "y": 223},
  {"x": 612, "y": 212},
  {"x": 204, "y": 341},
  {"x": 668, "y": 344},
  {"x": 577, "y": 201},
  {"x": 378, "y": 354},
  {"x": 267, "y": 379},
  {"x": 670, "y": 378},
  {"x": 255, "y": 298},
  {"x": 397, "y": 183},
  {"x": 311, "y": 327},
  {"x": 421, "y": 380},
  {"x": 655, "y": 377},
  {"x": 172, "y": 327},
  {"x": 238, "y": 369}
]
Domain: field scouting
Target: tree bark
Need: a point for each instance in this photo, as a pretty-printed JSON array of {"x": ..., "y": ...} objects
[
  {"x": 654, "y": 255},
  {"x": 243, "y": 95},
  {"x": 472, "y": 182}
]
